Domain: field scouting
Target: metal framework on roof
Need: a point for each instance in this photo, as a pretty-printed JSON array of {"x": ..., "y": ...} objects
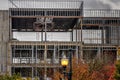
[
  {"x": 46, "y": 7},
  {"x": 109, "y": 13},
  {"x": 71, "y": 4}
]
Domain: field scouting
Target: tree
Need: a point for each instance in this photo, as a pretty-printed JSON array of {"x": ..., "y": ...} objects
[
  {"x": 93, "y": 70},
  {"x": 117, "y": 71}
]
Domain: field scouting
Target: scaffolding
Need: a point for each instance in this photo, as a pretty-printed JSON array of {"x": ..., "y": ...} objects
[
  {"x": 102, "y": 13},
  {"x": 93, "y": 33},
  {"x": 31, "y": 55},
  {"x": 46, "y": 8}
]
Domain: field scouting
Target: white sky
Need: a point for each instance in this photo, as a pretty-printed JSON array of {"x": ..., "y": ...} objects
[
  {"x": 102, "y": 4},
  {"x": 3, "y": 4}
]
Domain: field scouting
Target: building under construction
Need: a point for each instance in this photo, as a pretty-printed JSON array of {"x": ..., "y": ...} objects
[{"x": 34, "y": 35}]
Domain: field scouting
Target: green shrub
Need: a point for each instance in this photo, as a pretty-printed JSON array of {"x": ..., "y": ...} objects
[{"x": 8, "y": 77}]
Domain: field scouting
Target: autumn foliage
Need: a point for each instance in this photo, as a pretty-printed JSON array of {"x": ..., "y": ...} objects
[
  {"x": 93, "y": 70},
  {"x": 117, "y": 71}
]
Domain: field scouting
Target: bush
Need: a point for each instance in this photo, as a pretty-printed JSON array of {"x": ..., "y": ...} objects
[
  {"x": 117, "y": 72},
  {"x": 8, "y": 77}
]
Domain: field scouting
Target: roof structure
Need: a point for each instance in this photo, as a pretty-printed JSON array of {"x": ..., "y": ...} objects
[{"x": 59, "y": 4}]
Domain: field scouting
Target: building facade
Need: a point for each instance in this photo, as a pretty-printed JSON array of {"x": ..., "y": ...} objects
[{"x": 34, "y": 35}]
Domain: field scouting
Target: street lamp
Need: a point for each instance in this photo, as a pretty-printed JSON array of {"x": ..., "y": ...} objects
[{"x": 64, "y": 63}]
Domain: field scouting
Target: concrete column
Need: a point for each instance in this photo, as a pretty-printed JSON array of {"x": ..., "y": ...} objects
[
  {"x": 45, "y": 57},
  {"x": 81, "y": 34},
  {"x": 4, "y": 38}
]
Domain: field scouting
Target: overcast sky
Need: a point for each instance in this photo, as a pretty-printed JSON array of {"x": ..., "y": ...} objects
[{"x": 101, "y": 4}]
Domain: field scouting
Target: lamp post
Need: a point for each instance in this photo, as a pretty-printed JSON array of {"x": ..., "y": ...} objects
[
  {"x": 64, "y": 63},
  {"x": 70, "y": 63}
]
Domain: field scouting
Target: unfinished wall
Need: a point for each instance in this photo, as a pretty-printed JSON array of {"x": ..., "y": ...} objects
[
  {"x": 40, "y": 36},
  {"x": 4, "y": 38}
]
